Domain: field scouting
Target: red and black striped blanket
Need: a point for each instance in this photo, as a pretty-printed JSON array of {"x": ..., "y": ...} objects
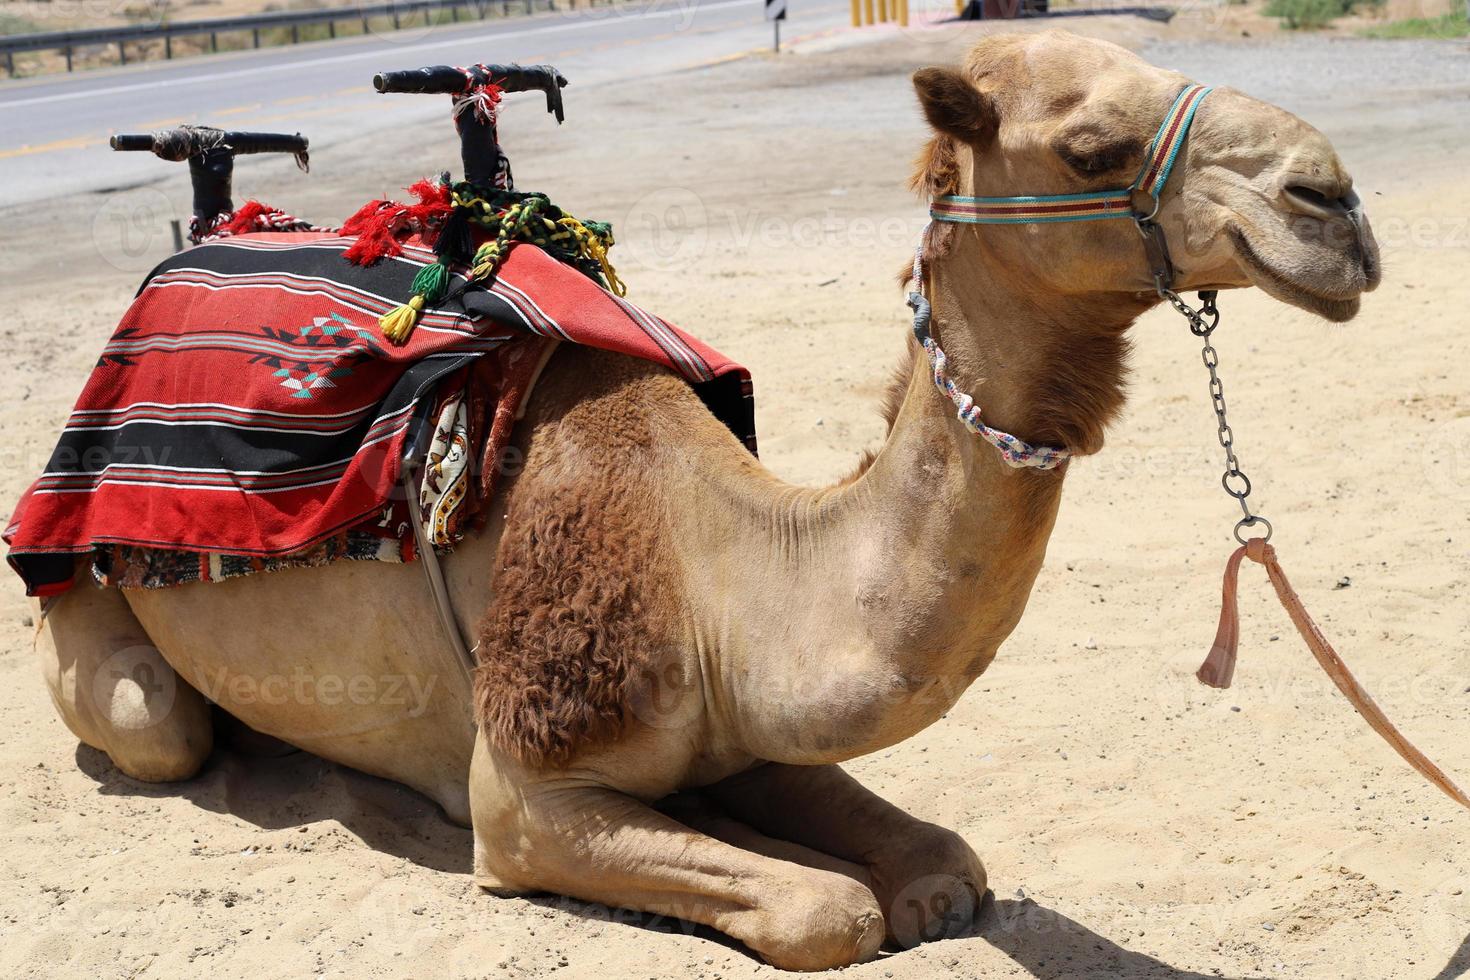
[{"x": 248, "y": 406}]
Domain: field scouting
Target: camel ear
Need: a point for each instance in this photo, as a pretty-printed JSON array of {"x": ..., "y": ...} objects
[{"x": 954, "y": 107}]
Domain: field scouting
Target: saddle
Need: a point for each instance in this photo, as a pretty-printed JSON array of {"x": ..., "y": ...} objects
[{"x": 249, "y": 414}]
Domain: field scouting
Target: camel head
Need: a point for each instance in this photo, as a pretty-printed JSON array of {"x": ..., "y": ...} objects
[{"x": 1256, "y": 197}]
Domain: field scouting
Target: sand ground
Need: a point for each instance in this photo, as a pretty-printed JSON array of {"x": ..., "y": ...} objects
[{"x": 1133, "y": 823}]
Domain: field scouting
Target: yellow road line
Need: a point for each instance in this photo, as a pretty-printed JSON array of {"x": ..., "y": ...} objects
[
  {"x": 723, "y": 59},
  {"x": 74, "y": 143}
]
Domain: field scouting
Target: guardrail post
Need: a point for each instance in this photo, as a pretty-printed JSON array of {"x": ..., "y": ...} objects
[
  {"x": 255, "y": 37},
  {"x": 10, "y": 63},
  {"x": 332, "y": 29},
  {"x": 295, "y": 34},
  {"x": 168, "y": 46},
  {"x": 395, "y": 18},
  {"x": 122, "y": 53},
  {"x": 214, "y": 42}
]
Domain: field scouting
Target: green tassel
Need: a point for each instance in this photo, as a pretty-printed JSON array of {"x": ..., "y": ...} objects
[{"x": 431, "y": 282}]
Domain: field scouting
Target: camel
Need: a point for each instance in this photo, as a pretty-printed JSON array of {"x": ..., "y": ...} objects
[{"x": 676, "y": 650}]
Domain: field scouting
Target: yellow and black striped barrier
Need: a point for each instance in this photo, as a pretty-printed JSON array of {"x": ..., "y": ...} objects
[{"x": 881, "y": 12}]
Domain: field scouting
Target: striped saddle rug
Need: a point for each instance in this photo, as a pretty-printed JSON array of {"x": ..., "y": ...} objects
[{"x": 247, "y": 413}]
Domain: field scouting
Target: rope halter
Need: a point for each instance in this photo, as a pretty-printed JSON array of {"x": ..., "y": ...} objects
[{"x": 1091, "y": 206}]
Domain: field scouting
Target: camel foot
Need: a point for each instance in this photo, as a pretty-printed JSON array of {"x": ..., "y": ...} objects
[
  {"x": 927, "y": 879},
  {"x": 930, "y": 885},
  {"x": 537, "y": 832},
  {"x": 115, "y": 691}
]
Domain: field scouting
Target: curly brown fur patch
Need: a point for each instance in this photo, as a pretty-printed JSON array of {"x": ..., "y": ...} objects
[
  {"x": 937, "y": 168},
  {"x": 1081, "y": 392},
  {"x": 936, "y": 173},
  {"x": 581, "y": 587}
]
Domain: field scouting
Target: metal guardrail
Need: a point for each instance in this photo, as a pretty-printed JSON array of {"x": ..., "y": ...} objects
[{"x": 69, "y": 41}]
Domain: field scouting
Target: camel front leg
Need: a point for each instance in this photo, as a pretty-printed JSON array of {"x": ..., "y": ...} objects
[
  {"x": 927, "y": 879},
  {"x": 541, "y": 831}
]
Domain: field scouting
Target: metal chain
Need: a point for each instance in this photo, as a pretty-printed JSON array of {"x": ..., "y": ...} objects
[{"x": 1202, "y": 324}]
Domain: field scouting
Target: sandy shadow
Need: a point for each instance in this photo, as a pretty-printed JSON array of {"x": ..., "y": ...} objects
[
  {"x": 1459, "y": 964},
  {"x": 1043, "y": 942},
  {"x": 302, "y": 789},
  {"x": 299, "y": 790},
  {"x": 1047, "y": 944}
]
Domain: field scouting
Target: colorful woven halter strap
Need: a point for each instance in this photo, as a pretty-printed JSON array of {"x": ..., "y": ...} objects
[
  {"x": 1157, "y": 164},
  {"x": 1016, "y": 452},
  {"x": 1084, "y": 207}
]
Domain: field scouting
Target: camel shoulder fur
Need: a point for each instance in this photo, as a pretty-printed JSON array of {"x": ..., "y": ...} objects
[{"x": 586, "y": 599}]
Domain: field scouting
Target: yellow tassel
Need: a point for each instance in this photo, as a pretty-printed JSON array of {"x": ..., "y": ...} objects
[
  {"x": 400, "y": 323},
  {"x": 594, "y": 249}
]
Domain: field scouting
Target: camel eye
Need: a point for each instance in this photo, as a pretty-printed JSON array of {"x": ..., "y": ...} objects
[{"x": 1089, "y": 157}]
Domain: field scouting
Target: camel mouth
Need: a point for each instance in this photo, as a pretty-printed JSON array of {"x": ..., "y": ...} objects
[{"x": 1356, "y": 272}]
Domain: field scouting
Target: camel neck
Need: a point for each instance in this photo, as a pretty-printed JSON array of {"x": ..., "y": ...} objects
[
  {"x": 1044, "y": 366},
  {"x": 915, "y": 571},
  {"x": 965, "y": 533}
]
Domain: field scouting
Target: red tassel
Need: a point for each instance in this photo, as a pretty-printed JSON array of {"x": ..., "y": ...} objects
[
  {"x": 244, "y": 220},
  {"x": 378, "y": 225},
  {"x": 372, "y": 225}
]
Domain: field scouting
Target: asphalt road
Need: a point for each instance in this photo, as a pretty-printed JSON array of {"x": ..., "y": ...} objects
[{"x": 54, "y": 130}]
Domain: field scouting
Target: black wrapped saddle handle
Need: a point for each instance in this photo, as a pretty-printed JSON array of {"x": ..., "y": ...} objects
[
  {"x": 184, "y": 142},
  {"x": 447, "y": 80},
  {"x": 211, "y": 154}
]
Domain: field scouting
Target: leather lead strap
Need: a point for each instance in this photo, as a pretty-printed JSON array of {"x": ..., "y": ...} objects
[{"x": 1219, "y": 667}]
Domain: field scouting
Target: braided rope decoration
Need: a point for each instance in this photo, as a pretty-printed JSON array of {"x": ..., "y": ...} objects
[
  {"x": 1015, "y": 452},
  {"x": 511, "y": 217}
]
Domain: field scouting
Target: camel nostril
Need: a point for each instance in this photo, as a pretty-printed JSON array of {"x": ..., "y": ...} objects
[{"x": 1312, "y": 201}]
